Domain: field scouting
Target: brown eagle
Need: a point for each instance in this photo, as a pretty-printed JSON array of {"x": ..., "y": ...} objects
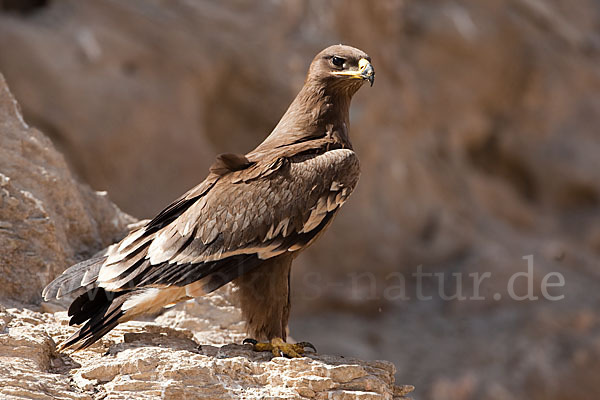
[{"x": 244, "y": 224}]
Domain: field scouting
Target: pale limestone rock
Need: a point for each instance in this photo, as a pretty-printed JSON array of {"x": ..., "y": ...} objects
[{"x": 161, "y": 359}]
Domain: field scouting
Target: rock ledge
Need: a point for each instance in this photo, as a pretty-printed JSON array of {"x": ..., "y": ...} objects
[{"x": 160, "y": 359}]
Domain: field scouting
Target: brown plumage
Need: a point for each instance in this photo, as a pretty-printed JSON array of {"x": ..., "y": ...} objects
[{"x": 245, "y": 223}]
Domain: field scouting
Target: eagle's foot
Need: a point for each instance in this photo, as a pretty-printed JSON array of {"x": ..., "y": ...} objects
[{"x": 279, "y": 348}]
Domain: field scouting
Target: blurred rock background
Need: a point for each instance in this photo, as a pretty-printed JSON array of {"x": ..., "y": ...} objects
[{"x": 479, "y": 145}]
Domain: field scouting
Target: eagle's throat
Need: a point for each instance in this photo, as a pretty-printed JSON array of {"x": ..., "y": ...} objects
[{"x": 315, "y": 112}]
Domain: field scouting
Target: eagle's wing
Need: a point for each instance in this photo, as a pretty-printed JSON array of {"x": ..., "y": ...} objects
[{"x": 232, "y": 222}]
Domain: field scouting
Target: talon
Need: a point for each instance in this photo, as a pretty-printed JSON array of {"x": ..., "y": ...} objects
[
  {"x": 257, "y": 346},
  {"x": 307, "y": 345}
]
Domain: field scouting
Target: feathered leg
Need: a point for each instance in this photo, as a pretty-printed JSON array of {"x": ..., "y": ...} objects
[{"x": 264, "y": 297}]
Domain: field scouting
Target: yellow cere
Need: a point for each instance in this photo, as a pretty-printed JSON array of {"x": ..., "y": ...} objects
[{"x": 362, "y": 64}]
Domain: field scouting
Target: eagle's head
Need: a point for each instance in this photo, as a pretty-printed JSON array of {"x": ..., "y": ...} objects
[{"x": 342, "y": 67}]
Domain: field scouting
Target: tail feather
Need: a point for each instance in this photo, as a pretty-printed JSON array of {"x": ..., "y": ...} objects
[
  {"x": 74, "y": 278},
  {"x": 101, "y": 309}
]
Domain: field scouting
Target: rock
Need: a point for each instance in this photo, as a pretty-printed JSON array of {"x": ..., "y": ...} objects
[
  {"x": 141, "y": 359},
  {"x": 49, "y": 221}
]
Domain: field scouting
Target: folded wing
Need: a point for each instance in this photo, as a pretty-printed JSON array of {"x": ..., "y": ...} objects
[{"x": 230, "y": 224}]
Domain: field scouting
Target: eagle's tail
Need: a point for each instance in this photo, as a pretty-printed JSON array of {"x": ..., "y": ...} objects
[
  {"x": 74, "y": 279},
  {"x": 101, "y": 309}
]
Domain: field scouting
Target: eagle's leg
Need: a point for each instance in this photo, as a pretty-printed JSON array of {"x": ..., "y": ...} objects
[{"x": 264, "y": 297}]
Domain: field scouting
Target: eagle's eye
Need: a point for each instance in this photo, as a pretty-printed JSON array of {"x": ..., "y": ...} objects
[{"x": 337, "y": 61}]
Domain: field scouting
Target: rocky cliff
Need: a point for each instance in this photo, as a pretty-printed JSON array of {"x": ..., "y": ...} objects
[{"x": 47, "y": 220}]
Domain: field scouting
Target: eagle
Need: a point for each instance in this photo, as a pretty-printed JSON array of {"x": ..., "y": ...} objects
[{"x": 245, "y": 223}]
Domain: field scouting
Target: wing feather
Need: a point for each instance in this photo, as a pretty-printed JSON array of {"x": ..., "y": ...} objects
[{"x": 232, "y": 221}]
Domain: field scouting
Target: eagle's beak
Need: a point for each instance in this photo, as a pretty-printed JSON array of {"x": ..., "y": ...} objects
[{"x": 365, "y": 71}]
